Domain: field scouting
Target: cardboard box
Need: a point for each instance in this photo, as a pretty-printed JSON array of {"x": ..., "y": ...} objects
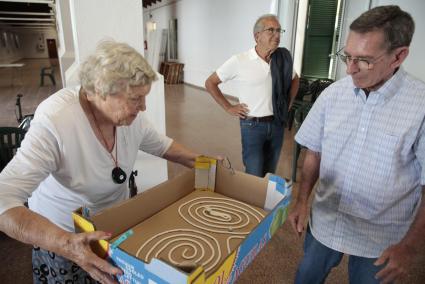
[{"x": 135, "y": 221}]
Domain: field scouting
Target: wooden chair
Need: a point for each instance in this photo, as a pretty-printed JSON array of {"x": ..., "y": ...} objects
[
  {"x": 10, "y": 141},
  {"x": 49, "y": 72}
]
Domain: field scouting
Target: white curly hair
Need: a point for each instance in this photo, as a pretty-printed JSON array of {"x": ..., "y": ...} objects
[{"x": 113, "y": 67}]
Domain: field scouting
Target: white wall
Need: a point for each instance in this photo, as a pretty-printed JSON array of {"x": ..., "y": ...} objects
[
  {"x": 300, "y": 35},
  {"x": 10, "y": 53},
  {"x": 414, "y": 62},
  {"x": 209, "y": 32},
  {"x": 30, "y": 40},
  {"x": 153, "y": 170},
  {"x": 66, "y": 47},
  {"x": 94, "y": 20},
  {"x": 287, "y": 18},
  {"x": 352, "y": 9}
]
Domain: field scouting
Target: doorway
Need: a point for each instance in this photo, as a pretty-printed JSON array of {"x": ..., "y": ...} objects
[
  {"x": 52, "y": 49},
  {"x": 321, "y": 38}
]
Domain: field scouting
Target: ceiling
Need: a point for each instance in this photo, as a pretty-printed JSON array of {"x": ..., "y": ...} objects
[
  {"x": 147, "y": 3},
  {"x": 35, "y": 14},
  {"x": 27, "y": 14}
]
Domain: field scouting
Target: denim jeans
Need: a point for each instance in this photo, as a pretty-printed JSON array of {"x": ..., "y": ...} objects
[
  {"x": 261, "y": 145},
  {"x": 318, "y": 261}
]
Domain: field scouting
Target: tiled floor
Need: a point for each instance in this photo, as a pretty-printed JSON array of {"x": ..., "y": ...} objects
[{"x": 195, "y": 120}]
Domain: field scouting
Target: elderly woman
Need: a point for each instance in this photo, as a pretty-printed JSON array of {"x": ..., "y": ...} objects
[{"x": 79, "y": 150}]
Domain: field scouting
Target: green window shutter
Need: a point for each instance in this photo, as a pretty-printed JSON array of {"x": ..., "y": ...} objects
[{"x": 318, "y": 38}]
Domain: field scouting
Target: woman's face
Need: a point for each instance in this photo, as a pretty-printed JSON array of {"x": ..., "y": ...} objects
[{"x": 122, "y": 107}]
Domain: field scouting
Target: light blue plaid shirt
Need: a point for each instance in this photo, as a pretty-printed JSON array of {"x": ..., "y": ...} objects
[{"x": 372, "y": 163}]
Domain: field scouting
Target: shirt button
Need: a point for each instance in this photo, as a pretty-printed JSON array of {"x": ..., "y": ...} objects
[{"x": 362, "y": 128}]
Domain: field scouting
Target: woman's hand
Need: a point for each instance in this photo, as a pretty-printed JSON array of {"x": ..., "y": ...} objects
[
  {"x": 77, "y": 248},
  {"x": 31, "y": 228}
]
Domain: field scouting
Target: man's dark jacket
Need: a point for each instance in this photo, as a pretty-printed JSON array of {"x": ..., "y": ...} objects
[{"x": 281, "y": 68}]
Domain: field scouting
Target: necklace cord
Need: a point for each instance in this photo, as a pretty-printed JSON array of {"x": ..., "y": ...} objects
[{"x": 103, "y": 137}]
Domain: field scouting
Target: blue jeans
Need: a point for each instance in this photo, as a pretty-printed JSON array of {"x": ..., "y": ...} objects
[
  {"x": 261, "y": 145},
  {"x": 318, "y": 261}
]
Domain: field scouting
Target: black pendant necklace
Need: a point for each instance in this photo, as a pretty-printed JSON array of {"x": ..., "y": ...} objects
[{"x": 118, "y": 175}]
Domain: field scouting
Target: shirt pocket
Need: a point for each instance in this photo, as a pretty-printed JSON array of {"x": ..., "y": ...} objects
[{"x": 380, "y": 156}]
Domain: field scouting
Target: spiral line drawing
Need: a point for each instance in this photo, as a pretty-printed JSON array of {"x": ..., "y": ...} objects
[
  {"x": 198, "y": 246},
  {"x": 215, "y": 214},
  {"x": 193, "y": 242}
]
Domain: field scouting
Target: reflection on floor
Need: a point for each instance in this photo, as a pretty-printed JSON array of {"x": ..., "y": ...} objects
[{"x": 195, "y": 120}]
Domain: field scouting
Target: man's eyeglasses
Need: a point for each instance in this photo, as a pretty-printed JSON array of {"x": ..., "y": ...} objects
[
  {"x": 362, "y": 63},
  {"x": 271, "y": 31}
]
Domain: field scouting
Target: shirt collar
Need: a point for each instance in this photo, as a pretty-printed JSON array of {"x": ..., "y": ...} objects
[
  {"x": 389, "y": 88},
  {"x": 253, "y": 54}
]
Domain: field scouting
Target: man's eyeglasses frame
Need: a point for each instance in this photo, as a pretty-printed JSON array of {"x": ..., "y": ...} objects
[
  {"x": 272, "y": 31},
  {"x": 362, "y": 63}
]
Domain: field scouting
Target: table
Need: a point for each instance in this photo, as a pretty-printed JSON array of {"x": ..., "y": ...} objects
[{"x": 16, "y": 73}]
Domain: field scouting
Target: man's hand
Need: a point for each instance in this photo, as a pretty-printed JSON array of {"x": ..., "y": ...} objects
[
  {"x": 398, "y": 259},
  {"x": 298, "y": 217},
  {"x": 79, "y": 250},
  {"x": 310, "y": 174},
  {"x": 240, "y": 110}
]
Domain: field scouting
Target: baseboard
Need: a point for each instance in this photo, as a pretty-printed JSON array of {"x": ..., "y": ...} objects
[{"x": 229, "y": 97}]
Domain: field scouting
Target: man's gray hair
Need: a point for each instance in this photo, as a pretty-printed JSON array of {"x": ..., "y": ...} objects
[
  {"x": 397, "y": 25},
  {"x": 114, "y": 67},
  {"x": 259, "y": 24}
]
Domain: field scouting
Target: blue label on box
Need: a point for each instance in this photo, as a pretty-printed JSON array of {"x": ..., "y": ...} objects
[
  {"x": 136, "y": 271},
  {"x": 258, "y": 238}
]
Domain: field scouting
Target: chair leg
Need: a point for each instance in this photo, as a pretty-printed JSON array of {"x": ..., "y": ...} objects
[
  {"x": 290, "y": 120},
  {"x": 52, "y": 78},
  {"x": 296, "y": 154}
]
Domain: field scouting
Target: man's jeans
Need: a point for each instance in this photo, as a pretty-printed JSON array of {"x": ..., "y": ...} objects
[
  {"x": 318, "y": 261},
  {"x": 261, "y": 145}
]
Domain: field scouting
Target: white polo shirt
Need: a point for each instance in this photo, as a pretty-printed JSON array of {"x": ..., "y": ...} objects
[{"x": 253, "y": 79}]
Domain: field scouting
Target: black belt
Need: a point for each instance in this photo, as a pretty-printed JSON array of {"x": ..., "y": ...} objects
[{"x": 260, "y": 119}]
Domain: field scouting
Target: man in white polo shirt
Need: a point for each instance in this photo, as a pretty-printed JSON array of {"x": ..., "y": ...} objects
[{"x": 266, "y": 88}]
